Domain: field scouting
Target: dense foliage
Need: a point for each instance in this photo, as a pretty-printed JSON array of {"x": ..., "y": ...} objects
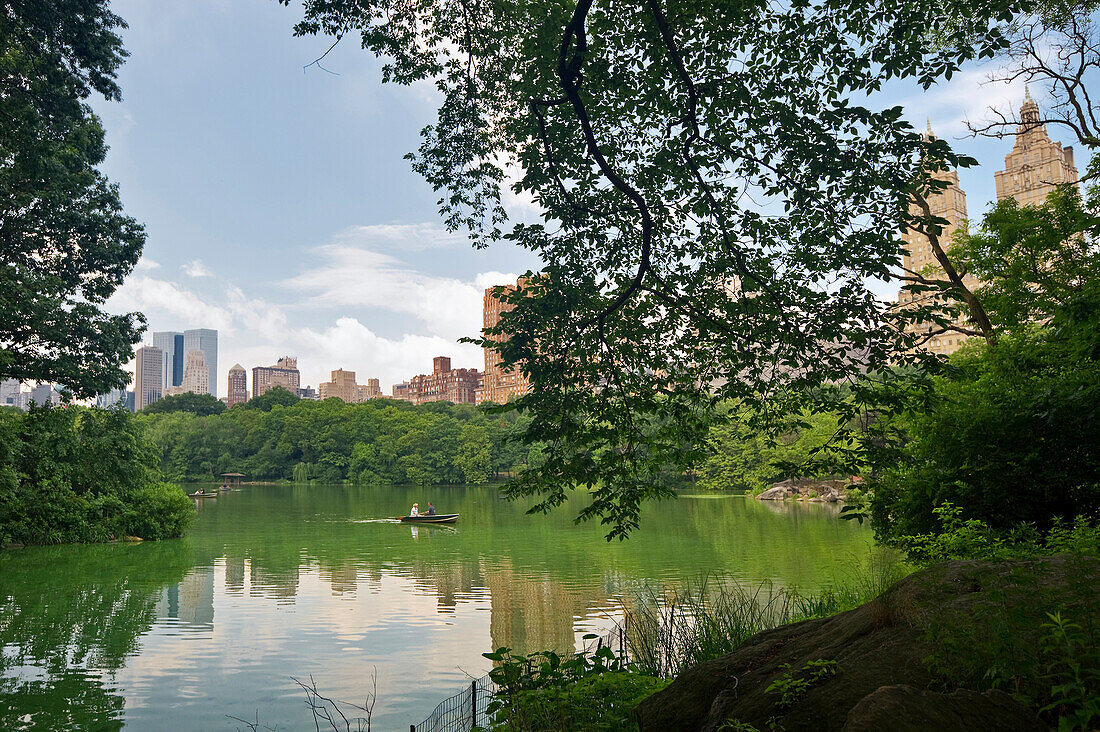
[
  {"x": 71, "y": 474},
  {"x": 200, "y": 404},
  {"x": 742, "y": 458},
  {"x": 381, "y": 441},
  {"x": 1013, "y": 435},
  {"x": 65, "y": 243}
]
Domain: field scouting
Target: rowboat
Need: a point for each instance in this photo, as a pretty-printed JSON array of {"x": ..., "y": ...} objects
[
  {"x": 439, "y": 518},
  {"x": 207, "y": 494}
]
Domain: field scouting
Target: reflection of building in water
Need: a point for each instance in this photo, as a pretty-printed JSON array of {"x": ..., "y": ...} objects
[
  {"x": 234, "y": 574},
  {"x": 269, "y": 582},
  {"x": 192, "y": 600},
  {"x": 344, "y": 580},
  {"x": 530, "y": 615}
]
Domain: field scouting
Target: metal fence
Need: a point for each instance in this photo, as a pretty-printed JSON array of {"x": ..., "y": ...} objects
[
  {"x": 467, "y": 709},
  {"x": 462, "y": 712}
]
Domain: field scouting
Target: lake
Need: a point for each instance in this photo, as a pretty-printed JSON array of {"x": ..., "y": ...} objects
[{"x": 275, "y": 582}]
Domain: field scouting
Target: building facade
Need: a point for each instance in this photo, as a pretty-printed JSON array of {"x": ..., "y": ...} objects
[
  {"x": 444, "y": 384},
  {"x": 196, "y": 374},
  {"x": 284, "y": 373},
  {"x": 1036, "y": 164},
  {"x": 498, "y": 385},
  {"x": 948, "y": 204},
  {"x": 237, "y": 386},
  {"x": 343, "y": 386},
  {"x": 205, "y": 340},
  {"x": 148, "y": 377},
  {"x": 172, "y": 344}
]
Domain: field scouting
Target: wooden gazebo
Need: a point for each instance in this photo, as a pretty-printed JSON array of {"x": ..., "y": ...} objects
[{"x": 232, "y": 478}]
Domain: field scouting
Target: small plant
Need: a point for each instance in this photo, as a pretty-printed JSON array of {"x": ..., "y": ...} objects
[
  {"x": 1074, "y": 677},
  {"x": 793, "y": 685}
]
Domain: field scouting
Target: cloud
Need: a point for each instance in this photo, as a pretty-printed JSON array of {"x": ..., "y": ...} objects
[
  {"x": 400, "y": 237},
  {"x": 354, "y": 276},
  {"x": 158, "y": 298},
  {"x": 196, "y": 268},
  {"x": 968, "y": 96}
]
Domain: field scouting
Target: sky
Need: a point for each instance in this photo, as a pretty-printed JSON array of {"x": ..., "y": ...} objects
[{"x": 280, "y": 210}]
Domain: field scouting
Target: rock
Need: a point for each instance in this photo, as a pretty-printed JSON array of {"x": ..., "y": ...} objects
[
  {"x": 902, "y": 708},
  {"x": 776, "y": 493},
  {"x": 963, "y": 613}
]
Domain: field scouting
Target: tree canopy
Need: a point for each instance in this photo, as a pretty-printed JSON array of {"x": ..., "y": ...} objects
[
  {"x": 719, "y": 189},
  {"x": 200, "y": 404},
  {"x": 65, "y": 243}
]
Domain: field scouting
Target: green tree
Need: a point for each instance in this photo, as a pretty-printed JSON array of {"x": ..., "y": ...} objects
[
  {"x": 65, "y": 244},
  {"x": 276, "y": 396},
  {"x": 717, "y": 194},
  {"x": 200, "y": 404}
]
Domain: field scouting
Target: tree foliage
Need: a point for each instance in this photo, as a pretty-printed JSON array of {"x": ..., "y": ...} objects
[
  {"x": 65, "y": 243},
  {"x": 718, "y": 192},
  {"x": 200, "y": 404},
  {"x": 71, "y": 474},
  {"x": 381, "y": 441}
]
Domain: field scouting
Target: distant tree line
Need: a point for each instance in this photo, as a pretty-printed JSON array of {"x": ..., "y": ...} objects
[{"x": 278, "y": 436}]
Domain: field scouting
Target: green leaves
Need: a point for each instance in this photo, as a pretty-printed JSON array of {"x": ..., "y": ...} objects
[{"x": 65, "y": 244}]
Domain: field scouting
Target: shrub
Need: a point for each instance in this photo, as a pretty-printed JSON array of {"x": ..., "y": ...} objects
[
  {"x": 601, "y": 703},
  {"x": 157, "y": 511}
]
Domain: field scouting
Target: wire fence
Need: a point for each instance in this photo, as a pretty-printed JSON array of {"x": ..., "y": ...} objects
[{"x": 467, "y": 709}]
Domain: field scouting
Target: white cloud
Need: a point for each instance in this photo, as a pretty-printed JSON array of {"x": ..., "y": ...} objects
[
  {"x": 164, "y": 300},
  {"x": 968, "y": 96},
  {"x": 401, "y": 237},
  {"x": 352, "y": 276},
  {"x": 196, "y": 268}
]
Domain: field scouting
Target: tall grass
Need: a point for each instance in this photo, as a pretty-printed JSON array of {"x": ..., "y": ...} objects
[{"x": 668, "y": 631}]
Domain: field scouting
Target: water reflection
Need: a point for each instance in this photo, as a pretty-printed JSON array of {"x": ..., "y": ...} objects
[{"x": 281, "y": 581}]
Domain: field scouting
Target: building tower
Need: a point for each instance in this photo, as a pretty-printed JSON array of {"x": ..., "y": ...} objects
[
  {"x": 498, "y": 385},
  {"x": 148, "y": 377},
  {"x": 172, "y": 344},
  {"x": 196, "y": 374},
  {"x": 205, "y": 340},
  {"x": 1036, "y": 164},
  {"x": 237, "y": 386},
  {"x": 948, "y": 204}
]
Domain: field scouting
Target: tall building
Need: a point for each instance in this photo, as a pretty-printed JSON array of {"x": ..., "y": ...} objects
[
  {"x": 343, "y": 386},
  {"x": 371, "y": 391},
  {"x": 172, "y": 344},
  {"x": 1036, "y": 164},
  {"x": 115, "y": 397},
  {"x": 10, "y": 390},
  {"x": 444, "y": 384},
  {"x": 498, "y": 385},
  {"x": 148, "y": 377},
  {"x": 196, "y": 374},
  {"x": 948, "y": 204},
  {"x": 237, "y": 386},
  {"x": 284, "y": 373},
  {"x": 205, "y": 340}
]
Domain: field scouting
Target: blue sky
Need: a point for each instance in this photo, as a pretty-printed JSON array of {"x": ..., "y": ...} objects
[{"x": 280, "y": 210}]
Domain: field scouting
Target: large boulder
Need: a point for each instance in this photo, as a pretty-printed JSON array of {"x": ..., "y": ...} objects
[
  {"x": 943, "y": 627},
  {"x": 901, "y": 708}
]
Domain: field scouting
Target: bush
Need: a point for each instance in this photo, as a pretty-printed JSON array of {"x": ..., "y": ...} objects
[
  {"x": 74, "y": 474},
  {"x": 603, "y": 703},
  {"x": 1013, "y": 438},
  {"x": 157, "y": 511}
]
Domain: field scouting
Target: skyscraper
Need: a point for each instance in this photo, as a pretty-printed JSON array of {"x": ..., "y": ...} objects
[
  {"x": 196, "y": 375},
  {"x": 948, "y": 204},
  {"x": 1036, "y": 164},
  {"x": 205, "y": 340},
  {"x": 498, "y": 385},
  {"x": 237, "y": 386},
  {"x": 148, "y": 377},
  {"x": 172, "y": 344}
]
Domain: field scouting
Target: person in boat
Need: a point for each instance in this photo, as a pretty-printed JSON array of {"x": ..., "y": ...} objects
[
  {"x": 431, "y": 510},
  {"x": 415, "y": 510}
]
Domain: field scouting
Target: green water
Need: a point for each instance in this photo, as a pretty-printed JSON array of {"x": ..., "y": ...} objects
[{"x": 274, "y": 582}]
